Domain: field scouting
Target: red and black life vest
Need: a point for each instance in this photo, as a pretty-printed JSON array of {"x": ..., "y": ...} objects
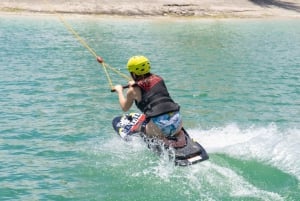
[{"x": 155, "y": 97}]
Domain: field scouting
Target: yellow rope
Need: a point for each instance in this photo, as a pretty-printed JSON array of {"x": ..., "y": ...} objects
[
  {"x": 70, "y": 28},
  {"x": 84, "y": 44},
  {"x": 118, "y": 72}
]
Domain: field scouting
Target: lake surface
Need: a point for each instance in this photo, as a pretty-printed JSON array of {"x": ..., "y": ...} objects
[{"x": 237, "y": 81}]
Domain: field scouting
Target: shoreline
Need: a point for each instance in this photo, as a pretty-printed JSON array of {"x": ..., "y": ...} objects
[{"x": 157, "y": 8}]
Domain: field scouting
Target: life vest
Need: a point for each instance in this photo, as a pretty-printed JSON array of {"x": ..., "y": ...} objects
[{"x": 155, "y": 97}]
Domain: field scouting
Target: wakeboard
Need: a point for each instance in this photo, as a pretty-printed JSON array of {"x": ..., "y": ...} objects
[{"x": 192, "y": 152}]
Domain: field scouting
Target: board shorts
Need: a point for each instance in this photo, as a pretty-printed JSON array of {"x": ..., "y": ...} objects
[{"x": 168, "y": 123}]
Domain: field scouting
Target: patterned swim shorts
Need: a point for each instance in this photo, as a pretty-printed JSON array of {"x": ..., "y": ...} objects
[{"x": 168, "y": 123}]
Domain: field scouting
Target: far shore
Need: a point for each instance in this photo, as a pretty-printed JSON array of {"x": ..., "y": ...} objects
[{"x": 155, "y": 8}]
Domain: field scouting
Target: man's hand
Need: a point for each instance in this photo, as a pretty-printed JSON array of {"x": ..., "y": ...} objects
[
  {"x": 118, "y": 88},
  {"x": 131, "y": 83}
]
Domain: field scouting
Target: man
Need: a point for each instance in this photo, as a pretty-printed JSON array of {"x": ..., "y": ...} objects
[{"x": 149, "y": 92}]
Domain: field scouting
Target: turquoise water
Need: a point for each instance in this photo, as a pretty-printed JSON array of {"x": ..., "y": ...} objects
[{"x": 237, "y": 81}]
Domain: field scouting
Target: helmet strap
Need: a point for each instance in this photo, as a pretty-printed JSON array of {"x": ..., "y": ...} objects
[{"x": 134, "y": 76}]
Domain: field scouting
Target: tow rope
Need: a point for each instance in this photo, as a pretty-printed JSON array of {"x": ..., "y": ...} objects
[{"x": 104, "y": 65}]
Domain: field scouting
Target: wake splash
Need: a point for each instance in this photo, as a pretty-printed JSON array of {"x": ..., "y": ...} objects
[
  {"x": 210, "y": 180},
  {"x": 278, "y": 148}
]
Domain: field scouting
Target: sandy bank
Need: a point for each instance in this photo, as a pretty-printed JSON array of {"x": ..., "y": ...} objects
[{"x": 198, "y": 8}]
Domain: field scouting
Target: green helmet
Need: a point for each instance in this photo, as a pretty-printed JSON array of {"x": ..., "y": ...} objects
[{"x": 138, "y": 65}]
